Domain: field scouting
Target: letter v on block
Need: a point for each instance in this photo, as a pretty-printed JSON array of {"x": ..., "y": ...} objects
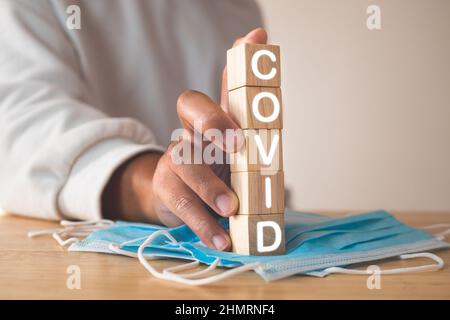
[
  {"x": 259, "y": 193},
  {"x": 262, "y": 152},
  {"x": 267, "y": 157}
]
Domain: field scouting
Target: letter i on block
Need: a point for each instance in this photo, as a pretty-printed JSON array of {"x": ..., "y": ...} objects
[{"x": 257, "y": 171}]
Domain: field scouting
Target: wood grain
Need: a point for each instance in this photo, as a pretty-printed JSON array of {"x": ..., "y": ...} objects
[
  {"x": 36, "y": 269},
  {"x": 249, "y": 158},
  {"x": 255, "y": 102},
  {"x": 239, "y": 72},
  {"x": 250, "y": 190},
  {"x": 244, "y": 233},
  {"x": 240, "y": 103}
]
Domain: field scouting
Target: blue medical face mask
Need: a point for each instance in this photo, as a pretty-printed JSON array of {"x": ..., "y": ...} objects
[{"x": 315, "y": 245}]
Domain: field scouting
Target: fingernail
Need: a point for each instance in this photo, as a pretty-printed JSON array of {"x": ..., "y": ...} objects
[
  {"x": 220, "y": 242},
  {"x": 226, "y": 204},
  {"x": 252, "y": 33}
]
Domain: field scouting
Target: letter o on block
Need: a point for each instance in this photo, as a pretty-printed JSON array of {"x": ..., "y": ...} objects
[
  {"x": 256, "y": 107},
  {"x": 276, "y": 107}
]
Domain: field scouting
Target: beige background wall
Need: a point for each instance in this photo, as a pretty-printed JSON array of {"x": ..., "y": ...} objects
[{"x": 367, "y": 113}]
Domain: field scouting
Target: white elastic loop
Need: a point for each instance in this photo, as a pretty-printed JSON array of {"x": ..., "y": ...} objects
[
  {"x": 48, "y": 232},
  {"x": 436, "y": 226},
  {"x": 131, "y": 241},
  {"x": 67, "y": 223},
  {"x": 72, "y": 229},
  {"x": 173, "y": 270},
  {"x": 183, "y": 267},
  {"x": 440, "y": 235},
  {"x": 428, "y": 267},
  {"x": 65, "y": 242},
  {"x": 114, "y": 247},
  {"x": 185, "y": 279},
  {"x": 444, "y": 233},
  {"x": 211, "y": 279},
  {"x": 75, "y": 233}
]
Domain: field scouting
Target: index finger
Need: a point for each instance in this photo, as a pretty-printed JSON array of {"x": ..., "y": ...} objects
[{"x": 198, "y": 113}]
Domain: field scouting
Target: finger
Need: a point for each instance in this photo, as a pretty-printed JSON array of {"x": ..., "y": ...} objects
[
  {"x": 258, "y": 35},
  {"x": 208, "y": 186},
  {"x": 198, "y": 112},
  {"x": 165, "y": 216},
  {"x": 183, "y": 202}
]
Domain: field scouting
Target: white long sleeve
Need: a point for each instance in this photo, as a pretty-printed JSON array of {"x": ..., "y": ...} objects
[
  {"x": 69, "y": 98},
  {"x": 49, "y": 131}
]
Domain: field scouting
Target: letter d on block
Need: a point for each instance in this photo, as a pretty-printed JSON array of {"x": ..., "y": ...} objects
[{"x": 260, "y": 236}]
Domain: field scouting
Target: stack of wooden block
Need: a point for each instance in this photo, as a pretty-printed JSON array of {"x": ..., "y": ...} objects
[{"x": 257, "y": 169}]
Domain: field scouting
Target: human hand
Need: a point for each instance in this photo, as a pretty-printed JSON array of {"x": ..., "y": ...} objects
[{"x": 152, "y": 187}]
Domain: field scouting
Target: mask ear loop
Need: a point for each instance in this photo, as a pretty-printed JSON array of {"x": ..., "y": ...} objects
[
  {"x": 64, "y": 242},
  {"x": 67, "y": 223},
  {"x": 47, "y": 232},
  {"x": 429, "y": 267},
  {"x": 72, "y": 229},
  {"x": 440, "y": 235},
  {"x": 115, "y": 247},
  {"x": 172, "y": 271},
  {"x": 171, "y": 275}
]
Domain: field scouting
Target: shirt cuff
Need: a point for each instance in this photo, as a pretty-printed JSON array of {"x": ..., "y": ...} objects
[{"x": 80, "y": 198}]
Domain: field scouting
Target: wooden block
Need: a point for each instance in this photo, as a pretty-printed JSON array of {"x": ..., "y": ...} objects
[
  {"x": 255, "y": 65},
  {"x": 262, "y": 152},
  {"x": 259, "y": 193},
  {"x": 256, "y": 107},
  {"x": 258, "y": 234}
]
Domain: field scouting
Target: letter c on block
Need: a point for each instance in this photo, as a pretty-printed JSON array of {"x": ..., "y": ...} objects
[
  {"x": 276, "y": 107},
  {"x": 258, "y": 54},
  {"x": 260, "y": 236}
]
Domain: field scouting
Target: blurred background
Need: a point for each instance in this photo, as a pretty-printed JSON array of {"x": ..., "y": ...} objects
[{"x": 366, "y": 112}]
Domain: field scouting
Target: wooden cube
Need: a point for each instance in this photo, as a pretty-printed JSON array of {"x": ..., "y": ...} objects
[
  {"x": 256, "y": 107},
  {"x": 262, "y": 152},
  {"x": 255, "y": 65},
  {"x": 258, "y": 192},
  {"x": 258, "y": 234}
]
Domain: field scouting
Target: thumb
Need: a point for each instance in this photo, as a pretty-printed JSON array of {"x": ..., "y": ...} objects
[{"x": 258, "y": 35}]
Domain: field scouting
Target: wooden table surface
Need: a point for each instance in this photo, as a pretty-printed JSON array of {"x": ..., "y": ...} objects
[{"x": 36, "y": 269}]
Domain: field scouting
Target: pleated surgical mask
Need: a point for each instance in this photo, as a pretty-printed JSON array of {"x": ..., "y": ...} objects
[{"x": 315, "y": 245}]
